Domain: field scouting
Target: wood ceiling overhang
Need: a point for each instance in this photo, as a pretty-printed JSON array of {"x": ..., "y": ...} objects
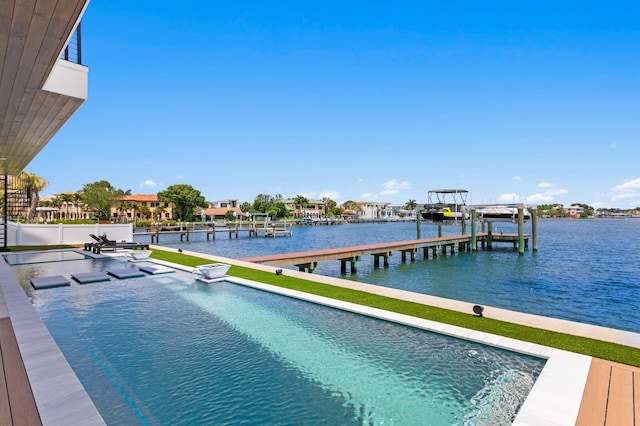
[{"x": 33, "y": 33}]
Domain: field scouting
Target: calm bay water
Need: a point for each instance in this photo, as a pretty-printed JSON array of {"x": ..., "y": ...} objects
[{"x": 584, "y": 270}]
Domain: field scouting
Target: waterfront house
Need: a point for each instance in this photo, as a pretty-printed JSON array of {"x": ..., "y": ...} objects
[
  {"x": 374, "y": 210},
  {"x": 314, "y": 209},
  {"x": 141, "y": 206}
]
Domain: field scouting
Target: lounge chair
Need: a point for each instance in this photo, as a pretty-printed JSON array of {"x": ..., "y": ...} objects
[
  {"x": 91, "y": 246},
  {"x": 107, "y": 244}
]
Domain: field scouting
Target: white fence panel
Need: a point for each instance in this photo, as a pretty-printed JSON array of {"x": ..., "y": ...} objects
[{"x": 31, "y": 234}]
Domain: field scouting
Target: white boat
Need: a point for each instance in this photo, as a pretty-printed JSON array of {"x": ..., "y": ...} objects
[
  {"x": 501, "y": 213},
  {"x": 211, "y": 272}
]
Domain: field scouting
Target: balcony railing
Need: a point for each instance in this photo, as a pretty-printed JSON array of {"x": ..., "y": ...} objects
[{"x": 73, "y": 51}]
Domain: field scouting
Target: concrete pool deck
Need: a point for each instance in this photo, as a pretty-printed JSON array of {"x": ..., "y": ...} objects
[{"x": 554, "y": 400}]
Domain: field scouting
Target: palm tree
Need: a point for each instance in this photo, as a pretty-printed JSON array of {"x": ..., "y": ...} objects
[
  {"x": 57, "y": 203},
  {"x": 159, "y": 210},
  {"x": 329, "y": 205},
  {"x": 77, "y": 199},
  {"x": 66, "y": 199},
  {"x": 33, "y": 185},
  {"x": 134, "y": 206},
  {"x": 124, "y": 207},
  {"x": 302, "y": 201},
  {"x": 145, "y": 212},
  {"x": 411, "y": 205}
]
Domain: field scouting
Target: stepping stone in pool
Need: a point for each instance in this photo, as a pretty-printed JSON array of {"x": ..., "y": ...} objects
[
  {"x": 90, "y": 277},
  {"x": 125, "y": 273},
  {"x": 157, "y": 269},
  {"x": 40, "y": 283}
]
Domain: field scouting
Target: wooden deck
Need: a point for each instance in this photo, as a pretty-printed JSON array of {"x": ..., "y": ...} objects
[
  {"x": 611, "y": 395},
  {"x": 17, "y": 405}
]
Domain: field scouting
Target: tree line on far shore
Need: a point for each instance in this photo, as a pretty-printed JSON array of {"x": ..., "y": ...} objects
[{"x": 100, "y": 197}]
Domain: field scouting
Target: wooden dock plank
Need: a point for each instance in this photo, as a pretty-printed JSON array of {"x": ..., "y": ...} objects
[
  {"x": 611, "y": 395},
  {"x": 620, "y": 402},
  {"x": 22, "y": 405},
  {"x": 5, "y": 408},
  {"x": 636, "y": 396},
  {"x": 593, "y": 408}
]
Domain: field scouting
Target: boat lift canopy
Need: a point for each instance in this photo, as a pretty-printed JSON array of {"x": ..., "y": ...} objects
[{"x": 456, "y": 197}]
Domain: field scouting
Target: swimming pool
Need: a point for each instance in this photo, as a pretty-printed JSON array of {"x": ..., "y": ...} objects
[
  {"x": 44, "y": 256},
  {"x": 168, "y": 350}
]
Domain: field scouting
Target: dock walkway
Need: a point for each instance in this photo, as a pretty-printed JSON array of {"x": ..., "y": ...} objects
[
  {"x": 252, "y": 229},
  {"x": 308, "y": 260}
]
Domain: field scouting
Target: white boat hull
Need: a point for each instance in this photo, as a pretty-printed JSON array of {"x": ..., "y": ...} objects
[{"x": 501, "y": 214}]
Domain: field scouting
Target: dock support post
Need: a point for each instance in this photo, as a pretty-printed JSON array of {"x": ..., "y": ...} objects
[
  {"x": 474, "y": 242},
  {"x": 376, "y": 260},
  {"x": 352, "y": 261},
  {"x": 439, "y": 230},
  {"x": 490, "y": 235},
  {"x": 418, "y": 234},
  {"x": 464, "y": 222},
  {"x": 520, "y": 231},
  {"x": 534, "y": 228},
  {"x": 412, "y": 255}
]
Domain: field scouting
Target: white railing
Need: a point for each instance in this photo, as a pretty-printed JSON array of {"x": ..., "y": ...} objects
[{"x": 29, "y": 234}]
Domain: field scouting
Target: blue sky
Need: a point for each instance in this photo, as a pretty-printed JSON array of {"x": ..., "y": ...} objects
[{"x": 534, "y": 102}]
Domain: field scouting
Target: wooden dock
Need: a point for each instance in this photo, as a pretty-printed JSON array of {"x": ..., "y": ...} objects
[
  {"x": 187, "y": 232},
  {"x": 308, "y": 260},
  {"x": 277, "y": 229},
  {"x": 252, "y": 229}
]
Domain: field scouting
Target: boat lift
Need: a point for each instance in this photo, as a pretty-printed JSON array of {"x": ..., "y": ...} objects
[{"x": 445, "y": 205}]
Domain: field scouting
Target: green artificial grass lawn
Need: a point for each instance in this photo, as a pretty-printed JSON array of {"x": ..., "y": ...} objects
[{"x": 583, "y": 345}]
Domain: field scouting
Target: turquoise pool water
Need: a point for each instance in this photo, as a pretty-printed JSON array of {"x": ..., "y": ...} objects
[
  {"x": 45, "y": 256},
  {"x": 167, "y": 349}
]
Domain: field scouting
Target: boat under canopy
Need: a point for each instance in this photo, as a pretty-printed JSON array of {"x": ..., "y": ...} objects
[{"x": 445, "y": 205}]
